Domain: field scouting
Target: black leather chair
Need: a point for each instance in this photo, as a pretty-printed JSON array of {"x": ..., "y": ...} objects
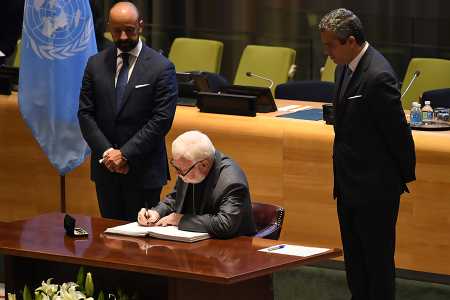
[
  {"x": 268, "y": 219},
  {"x": 306, "y": 90},
  {"x": 438, "y": 98}
]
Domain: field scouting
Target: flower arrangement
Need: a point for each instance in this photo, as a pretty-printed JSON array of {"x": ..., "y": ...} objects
[{"x": 83, "y": 289}]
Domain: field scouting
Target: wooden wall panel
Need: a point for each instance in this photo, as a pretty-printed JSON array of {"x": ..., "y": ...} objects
[
  {"x": 28, "y": 183},
  {"x": 288, "y": 162}
]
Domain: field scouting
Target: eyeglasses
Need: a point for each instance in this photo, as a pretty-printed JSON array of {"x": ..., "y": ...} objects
[{"x": 180, "y": 172}]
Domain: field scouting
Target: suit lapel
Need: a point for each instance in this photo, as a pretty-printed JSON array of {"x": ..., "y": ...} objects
[
  {"x": 356, "y": 80},
  {"x": 140, "y": 67},
  {"x": 111, "y": 64},
  {"x": 211, "y": 182},
  {"x": 181, "y": 195},
  {"x": 358, "y": 76},
  {"x": 338, "y": 102}
]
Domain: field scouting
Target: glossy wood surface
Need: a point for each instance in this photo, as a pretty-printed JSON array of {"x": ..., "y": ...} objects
[
  {"x": 218, "y": 261},
  {"x": 287, "y": 162}
]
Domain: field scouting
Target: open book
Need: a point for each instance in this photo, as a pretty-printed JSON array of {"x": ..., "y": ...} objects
[{"x": 159, "y": 232}]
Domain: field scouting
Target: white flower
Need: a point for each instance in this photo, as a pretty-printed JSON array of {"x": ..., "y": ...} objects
[
  {"x": 11, "y": 296},
  {"x": 68, "y": 291},
  {"x": 47, "y": 289}
]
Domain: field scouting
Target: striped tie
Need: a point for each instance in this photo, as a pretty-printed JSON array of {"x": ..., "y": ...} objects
[{"x": 122, "y": 79}]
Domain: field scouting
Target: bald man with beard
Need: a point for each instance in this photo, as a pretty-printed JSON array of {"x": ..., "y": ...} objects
[{"x": 127, "y": 104}]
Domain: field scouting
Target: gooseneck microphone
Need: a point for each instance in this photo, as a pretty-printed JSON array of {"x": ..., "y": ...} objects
[
  {"x": 415, "y": 75},
  {"x": 250, "y": 74}
]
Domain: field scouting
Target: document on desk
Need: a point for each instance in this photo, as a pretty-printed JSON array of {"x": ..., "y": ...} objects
[
  {"x": 294, "y": 250},
  {"x": 294, "y": 108},
  {"x": 166, "y": 233}
]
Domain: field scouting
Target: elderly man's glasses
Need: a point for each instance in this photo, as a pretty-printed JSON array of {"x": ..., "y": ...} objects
[{"x": 181, "y": 172}]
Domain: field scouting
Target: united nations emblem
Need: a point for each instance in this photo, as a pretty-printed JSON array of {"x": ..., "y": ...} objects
[{"x": 57, "y": 29}]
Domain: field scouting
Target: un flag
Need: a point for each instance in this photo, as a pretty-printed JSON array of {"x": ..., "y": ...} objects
[{"x": 57, "y": 39}]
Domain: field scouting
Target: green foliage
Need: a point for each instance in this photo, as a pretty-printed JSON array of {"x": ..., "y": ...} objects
[
  {"x": 80, "y": 277},
  {"x": 121, "y": 295},
  {"x": 89, "y": 285},
  {"x": 101, "y": 296},
  {"x": 84, "y": 287},
  {"x": 27, "y": 293}
]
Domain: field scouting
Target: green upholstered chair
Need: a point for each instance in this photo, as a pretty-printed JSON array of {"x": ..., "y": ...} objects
[
  {"x": 434, "y": 74},
  {"x": 196, "y": 55},
  {"x": 16, "y": 61},
  {"x": 327, "y": 72},
  {"x": 270, "y": 62}
]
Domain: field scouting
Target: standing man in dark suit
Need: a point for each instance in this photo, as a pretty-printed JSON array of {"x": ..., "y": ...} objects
[
  {"x": 211, "y": 193},
  {"x": 127, "y": 104},
  {"x": 373, "y": 155}
]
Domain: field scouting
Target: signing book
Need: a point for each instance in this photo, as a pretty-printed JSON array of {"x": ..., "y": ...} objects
[{"x": 159, "y": 232}]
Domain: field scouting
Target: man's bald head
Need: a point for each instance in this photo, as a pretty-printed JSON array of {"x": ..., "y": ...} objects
[
  {"x": 124, "y": 12},
  {"x": 125, "y": 25}
]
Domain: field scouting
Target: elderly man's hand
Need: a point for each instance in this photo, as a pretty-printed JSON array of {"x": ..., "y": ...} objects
[
  {"x": 147, "y": 217},
  {"x": 172, "y": 219}
]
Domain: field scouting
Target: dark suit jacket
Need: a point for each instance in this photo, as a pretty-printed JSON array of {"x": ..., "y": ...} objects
[
  {"x": 373, "y": 152},
  {"x": 226, "y": 210},
  {"x": 139, "y": 126}
]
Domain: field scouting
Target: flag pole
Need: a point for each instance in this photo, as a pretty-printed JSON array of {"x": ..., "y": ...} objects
[{"x": 62, "y": 192}]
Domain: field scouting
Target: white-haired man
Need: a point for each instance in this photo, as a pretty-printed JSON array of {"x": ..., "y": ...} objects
[{"x": 211, "y": 193}]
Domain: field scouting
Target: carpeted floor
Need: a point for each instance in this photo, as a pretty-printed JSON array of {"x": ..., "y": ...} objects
[
  {"x": 327, "y": 282},
  {"x": 320, "y": 283}
]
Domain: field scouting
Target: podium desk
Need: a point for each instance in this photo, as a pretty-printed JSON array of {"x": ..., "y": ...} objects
[
  {"x": 287, "y": 162},
  {"x": 36, "y": 249}
]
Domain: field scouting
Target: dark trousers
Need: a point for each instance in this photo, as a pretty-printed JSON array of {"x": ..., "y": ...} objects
[
  {"x": 368, "y": 239},
  {"x": 123, "y": 202}
]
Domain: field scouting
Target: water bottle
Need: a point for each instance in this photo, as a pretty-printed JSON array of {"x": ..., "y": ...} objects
[
  {"x": 415, "y": 114},
  {"x": 427, "y": 113}
]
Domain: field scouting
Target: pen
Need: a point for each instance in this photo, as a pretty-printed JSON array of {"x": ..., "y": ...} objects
[
  {"x": 146, "y": 208},
  {"x": 276, "y": 247}
]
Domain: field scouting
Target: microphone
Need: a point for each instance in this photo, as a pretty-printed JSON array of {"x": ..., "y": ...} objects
[
  {"x": 250, "y": 74},
  {"x": 416, "y": 74}
]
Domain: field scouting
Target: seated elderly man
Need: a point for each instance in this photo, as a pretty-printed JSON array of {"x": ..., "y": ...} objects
[{"x": 211, "y": 192}]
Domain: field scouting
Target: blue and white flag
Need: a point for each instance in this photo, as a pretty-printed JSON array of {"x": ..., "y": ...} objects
[{"x": 57, "y": 39}]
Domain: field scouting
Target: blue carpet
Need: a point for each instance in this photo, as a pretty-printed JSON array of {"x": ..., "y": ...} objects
[{"x": 314, "y": 114}]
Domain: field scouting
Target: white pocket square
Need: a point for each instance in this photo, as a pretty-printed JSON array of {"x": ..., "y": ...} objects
[
  {"x": 354, "y": 97},
  {"x": 141, "y": 85}
]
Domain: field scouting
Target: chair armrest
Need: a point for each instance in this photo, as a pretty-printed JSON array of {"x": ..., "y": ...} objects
[{"x": 270, "y": 232}]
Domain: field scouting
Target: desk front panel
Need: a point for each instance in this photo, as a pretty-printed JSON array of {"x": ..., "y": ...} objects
[{"x": 288, "y": 162}]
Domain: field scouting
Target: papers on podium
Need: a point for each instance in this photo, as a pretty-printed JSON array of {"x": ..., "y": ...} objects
[
  {"x": 166, "y": 233},
  {"x": 294, "y": 250}
]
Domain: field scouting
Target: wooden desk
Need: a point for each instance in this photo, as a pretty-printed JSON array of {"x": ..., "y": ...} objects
[
  {"x": 288, "y": 162},
  {"x": 219, "y": 269}
]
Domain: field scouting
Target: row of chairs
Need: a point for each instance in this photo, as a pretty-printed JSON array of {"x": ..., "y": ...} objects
[
  {"x": 276, "y": 63},
  {"x": 432, "y": 84},
  {"x": 206, "y": 55}
]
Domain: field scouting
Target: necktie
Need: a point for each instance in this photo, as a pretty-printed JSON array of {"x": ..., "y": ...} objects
[
  {"x": 345, "y": 81},
  {"x": 122, "y": 79}
]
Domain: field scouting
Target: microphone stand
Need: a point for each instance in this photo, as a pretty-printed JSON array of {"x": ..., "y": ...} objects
[
  {"x": 416, "y": 74},
  {"x": 250, "y": 74}
]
